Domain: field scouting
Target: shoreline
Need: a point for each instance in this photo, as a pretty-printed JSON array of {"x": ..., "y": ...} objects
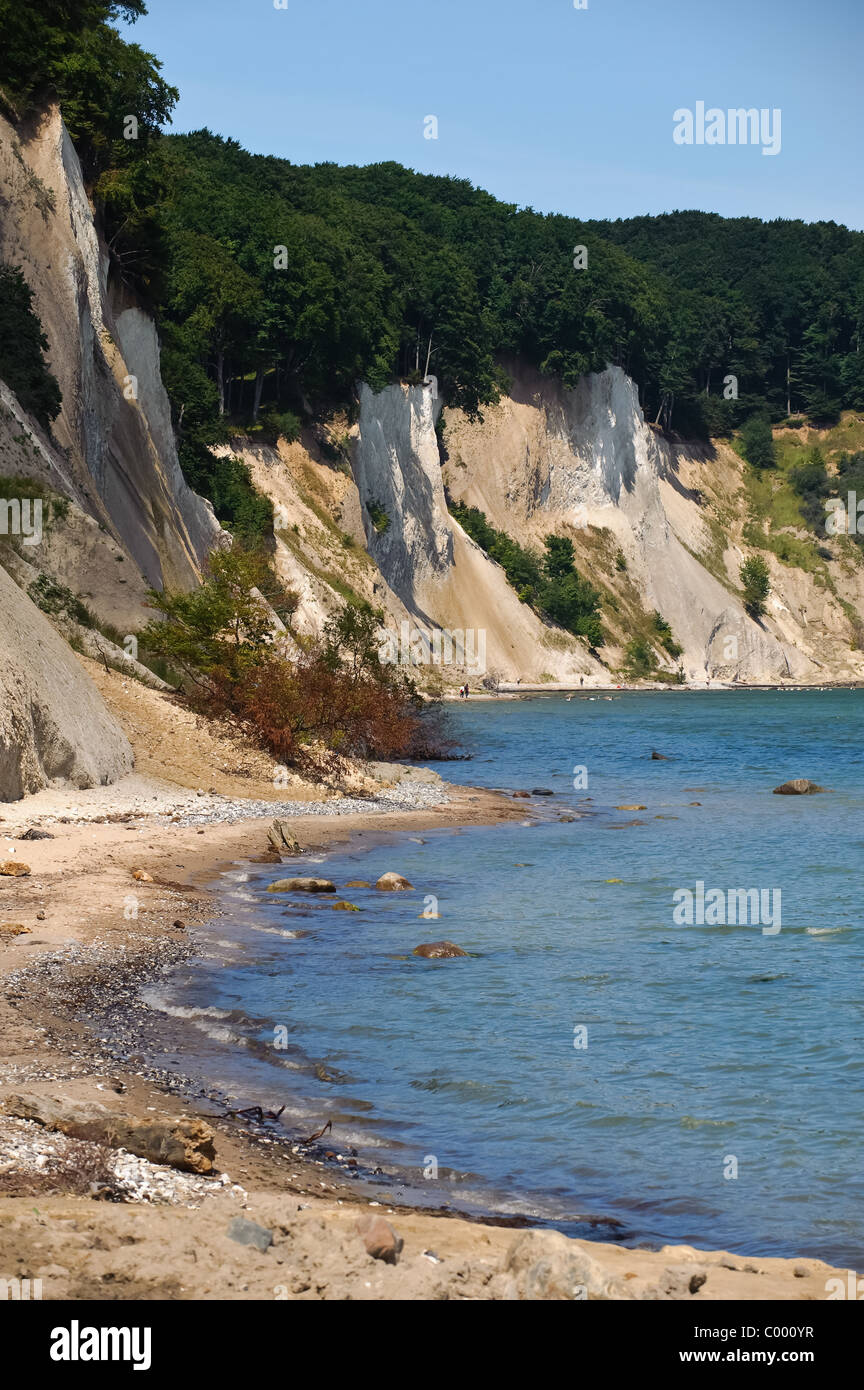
[{"x": 91, "y": 864}]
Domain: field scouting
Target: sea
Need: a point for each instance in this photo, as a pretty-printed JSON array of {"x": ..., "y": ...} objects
[{"x": 621, "y": 1054}]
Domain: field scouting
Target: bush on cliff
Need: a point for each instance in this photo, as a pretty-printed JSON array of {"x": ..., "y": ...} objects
[{"x": 306, "y": 701}]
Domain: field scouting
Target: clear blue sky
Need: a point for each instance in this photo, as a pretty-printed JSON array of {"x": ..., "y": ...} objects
[{"x": 559, "y": 109}]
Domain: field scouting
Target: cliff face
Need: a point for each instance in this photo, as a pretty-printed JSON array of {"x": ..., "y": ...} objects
[
  {"x": 125, "y": 519},
  {"x": 116, "y": 455},
  {"x": 54, "y": 726},
  {"x": 656, "y": 526},
  {"x": 584, "y": 463}
]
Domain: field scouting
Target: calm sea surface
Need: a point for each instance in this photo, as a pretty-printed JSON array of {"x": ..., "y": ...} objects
[{"x": 709, "y": 1050}]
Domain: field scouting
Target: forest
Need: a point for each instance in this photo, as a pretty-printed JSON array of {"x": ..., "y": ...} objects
[{"x": 277, "y": 287}]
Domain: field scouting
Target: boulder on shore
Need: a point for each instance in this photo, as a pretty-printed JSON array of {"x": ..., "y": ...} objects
[
  {"x": 380, "y": 1239},
  {"x": 282, "y": 839},
  {"x": 799, "y": 786},
  {"x": 438, "y": 950},
  {"x": 302, "y": 885},
  {"x": 183, "y": 1143},
  {"x": 393, "y": 883}
]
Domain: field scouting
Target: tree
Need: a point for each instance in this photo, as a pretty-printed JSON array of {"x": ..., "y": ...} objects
[
  {"x": 22, "y": 349},
  {"x": 757, "y": 442},
  {"x": 757, "y": 584}
]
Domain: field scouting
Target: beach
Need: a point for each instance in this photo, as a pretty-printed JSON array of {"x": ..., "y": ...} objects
[{"x": 174, "y": 1242}]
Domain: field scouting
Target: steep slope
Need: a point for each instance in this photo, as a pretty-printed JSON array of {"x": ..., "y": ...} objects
[
  {"x": 53, "y": 723},
  {"x": 115, "y": 453},
  {"x": 585, "y": 464}
]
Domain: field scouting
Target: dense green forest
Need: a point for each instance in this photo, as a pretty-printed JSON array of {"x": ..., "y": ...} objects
[{"x": 279, "y": 286}]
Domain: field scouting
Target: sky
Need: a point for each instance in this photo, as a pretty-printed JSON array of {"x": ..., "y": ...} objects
[{"x": 545, "y": 105}]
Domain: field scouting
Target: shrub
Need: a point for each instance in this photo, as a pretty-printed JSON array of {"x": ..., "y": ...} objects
[
  {"x": 757, "y": 584},
  {"x": 306, "y": 706},
  {"x": 757, "y": 442},
  {"x": 282, "y": 424},
  {"x": 22, "y": 349},
  {"x": 640, "y": 661},
  {"x": 378, "y": 516}
]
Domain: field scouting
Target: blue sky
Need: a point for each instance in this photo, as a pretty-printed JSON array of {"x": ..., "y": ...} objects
[{"x": 546, "y": 106}]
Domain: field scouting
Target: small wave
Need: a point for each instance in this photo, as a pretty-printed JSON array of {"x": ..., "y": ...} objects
[
  {"x": 279, "y": 931},
  {"x": 826, "y": 931},
  {"x": 189, "y": 1011}
]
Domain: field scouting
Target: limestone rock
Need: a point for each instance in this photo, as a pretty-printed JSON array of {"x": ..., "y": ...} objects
[
  {"x": 302, "y": 885},
  {"x": 546, "y": 1265},
  {"x": 438, "y": 950},
  {"x": 282, "y": 839},
  {"x": 11, "y": 868},
  {"x": 380, "y": 1239},
  {"x": 179, "y": 1141},
  {"x": 250, "y": 1233},
  {"x": 393, "y": 883},
  {"x": 799, "y": 786},
  {"x": 54, "y": 725}
]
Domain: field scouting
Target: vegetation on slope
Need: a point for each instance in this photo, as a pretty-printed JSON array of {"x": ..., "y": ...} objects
[
  {"x": 22, "y": 349},
  {"x": 549, "y": 583}
]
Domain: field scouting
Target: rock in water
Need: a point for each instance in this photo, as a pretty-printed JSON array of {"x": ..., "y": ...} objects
[
  {"x": 302, "y": 885},
  {"x": 438, "y": 950},
  {"x": 393, "y": 883},
  {"x": 658, "y": 757},
  {"x": 357, "y": 883},
  {"x": 381, "y": 1241},
  {"x": 542, "y": 791},
  {"x": 799, "y": 786}
]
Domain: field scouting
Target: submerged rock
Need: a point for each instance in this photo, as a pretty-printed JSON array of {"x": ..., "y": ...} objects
[
  {"x": 393, "y": 883},
  {"x": 439, "y": 950},
  {"x": 302, "y": 885},
  {"x": 344, "y": 907},
  {"x": 799, "y": 786},
  {"x": 357, "y": 883}
]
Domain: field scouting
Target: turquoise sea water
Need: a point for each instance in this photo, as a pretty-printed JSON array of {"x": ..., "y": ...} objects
[{"x": 710, "y": 1049}]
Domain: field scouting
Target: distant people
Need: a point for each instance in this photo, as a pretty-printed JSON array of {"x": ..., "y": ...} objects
[{"x": 581, "y": 680}]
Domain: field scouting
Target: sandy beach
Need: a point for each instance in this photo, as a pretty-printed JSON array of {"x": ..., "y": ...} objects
[{"x": 91, "y": 1225}]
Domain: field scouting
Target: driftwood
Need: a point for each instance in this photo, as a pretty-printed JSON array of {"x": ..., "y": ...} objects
[{"x": 318, "y": 1133}]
